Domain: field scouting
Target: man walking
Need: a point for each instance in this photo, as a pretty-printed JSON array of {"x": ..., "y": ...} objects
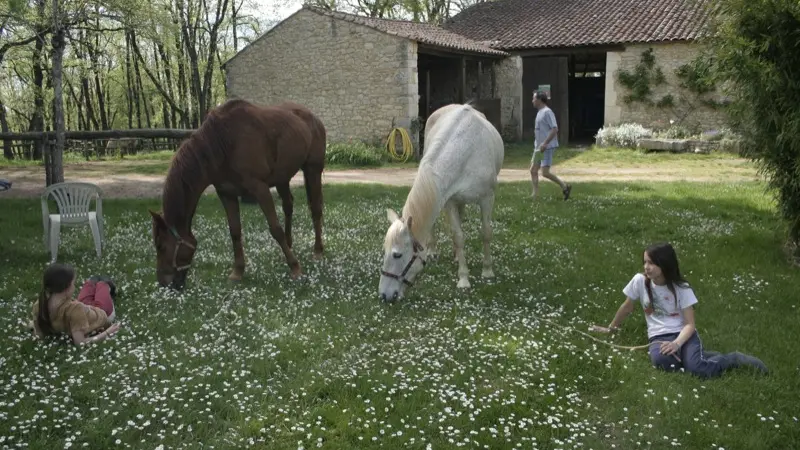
[{"x": 545, "y": 145}]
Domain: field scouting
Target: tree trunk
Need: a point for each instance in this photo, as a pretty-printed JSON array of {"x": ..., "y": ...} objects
[
  {"x": 37, "y": 120},
  {"x": 129, "y": 77},
  {"x": 136, "y": 84},
  {"x": 58, "y": 42},
  {"x": 8, "y": 150},
  {"x": 169, "y": 118},
  {"x": 94, "y": 56}
]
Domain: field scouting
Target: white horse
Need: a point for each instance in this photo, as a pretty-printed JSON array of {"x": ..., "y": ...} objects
[{"x": 460, "y": 164}]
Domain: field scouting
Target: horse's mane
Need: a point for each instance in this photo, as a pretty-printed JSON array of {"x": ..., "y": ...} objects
[
  {"x": 422, "y": 203},
  {"x": 201, "y": 153}
]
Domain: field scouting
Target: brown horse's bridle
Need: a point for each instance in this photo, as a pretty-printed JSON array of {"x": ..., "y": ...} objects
[
  {"x": 402, "y": 277},
  {"x": 181, "y": 241}
]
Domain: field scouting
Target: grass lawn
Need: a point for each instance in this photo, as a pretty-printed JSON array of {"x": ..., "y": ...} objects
[{"x": 272, "y": 363}]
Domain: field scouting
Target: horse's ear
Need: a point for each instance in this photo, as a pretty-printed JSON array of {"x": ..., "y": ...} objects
[
  {"x": 391, "y": 215},
  {"x": 158, "y": 220}
]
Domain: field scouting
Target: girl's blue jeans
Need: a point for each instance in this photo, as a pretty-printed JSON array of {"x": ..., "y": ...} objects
[{"x": 692, "y": 357}]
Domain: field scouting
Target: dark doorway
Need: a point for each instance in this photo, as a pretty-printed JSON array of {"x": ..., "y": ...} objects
[
  {"x": 587, "y": 88},
  {"x": 577, "y": 83},
  {"x": 546, "y": 73}
]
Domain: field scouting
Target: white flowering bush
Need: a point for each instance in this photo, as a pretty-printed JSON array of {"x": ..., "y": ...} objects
[
  {"x": 625, "y": 135},
  {"x": 322, "y": 363}
]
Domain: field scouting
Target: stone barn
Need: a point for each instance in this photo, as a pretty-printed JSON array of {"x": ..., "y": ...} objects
[{"x": 365, "y": 76}]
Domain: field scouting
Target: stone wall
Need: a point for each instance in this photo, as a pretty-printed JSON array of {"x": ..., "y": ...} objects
[
  {"x": 361, "y": 82},
  {"x": 508, "y": 88},
  {"x": 669, "y": 57}
]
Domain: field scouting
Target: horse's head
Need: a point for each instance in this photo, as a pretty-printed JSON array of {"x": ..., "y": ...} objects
[
  {"x": 174, "y": 253},
  {"x": 403, "y": 259}
]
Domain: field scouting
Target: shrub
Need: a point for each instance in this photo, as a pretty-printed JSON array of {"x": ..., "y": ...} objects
[
  {"x": 754, "y": 46},
  {"x": 354, "y": 153},
  {"x": 722, "y": 134},
  {"x": 626, "y": 135},
  {"x": 676, "y": 132}
]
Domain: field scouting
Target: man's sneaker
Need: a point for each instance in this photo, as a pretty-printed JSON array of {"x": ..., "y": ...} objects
[{"x": 566, "y": 191}]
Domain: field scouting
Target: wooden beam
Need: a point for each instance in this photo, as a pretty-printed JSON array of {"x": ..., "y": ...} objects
[
  {"x": 569, "y": 50},
  {"x": 494, "y": 82},
  {"x": 463, "y": 76},
  {"x": 452, "y": 53},
  {"x": 427, "y": 94},
  {"x": 480, "y": 73}
]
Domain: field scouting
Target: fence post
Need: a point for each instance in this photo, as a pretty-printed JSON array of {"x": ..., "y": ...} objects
[{"x": 48, "y": 161}]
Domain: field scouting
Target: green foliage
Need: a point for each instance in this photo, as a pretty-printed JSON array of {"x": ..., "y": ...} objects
[
  {"x": 755, "y": 50},
  {"x": 640, "y": 79},
  {"x": 677, "y": 132},
  {"x": 17, "y": 6},
  {"x": 697, "y": 76},
  {"x": 666, "y": 101},
  {"x": 354, "y": 153}
]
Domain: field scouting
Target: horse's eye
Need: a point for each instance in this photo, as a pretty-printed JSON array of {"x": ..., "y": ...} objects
[{"x": 397, "y": 255}]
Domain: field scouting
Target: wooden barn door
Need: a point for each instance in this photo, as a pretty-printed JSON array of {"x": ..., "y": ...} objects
[{"x": 552, "y": 71}]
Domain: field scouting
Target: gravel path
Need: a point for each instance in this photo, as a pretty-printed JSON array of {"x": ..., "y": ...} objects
[{"x": 29, "y": 182}]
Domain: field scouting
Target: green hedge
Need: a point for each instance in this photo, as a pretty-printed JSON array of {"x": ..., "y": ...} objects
[
  {"x": 355, "y": 153},
  {"x": 755, "y": 50}
]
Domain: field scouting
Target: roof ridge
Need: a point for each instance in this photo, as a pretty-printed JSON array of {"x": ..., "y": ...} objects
[{"x": 415, "y": 31}]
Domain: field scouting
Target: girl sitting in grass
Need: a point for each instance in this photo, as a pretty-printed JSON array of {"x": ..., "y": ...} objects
[
  {"x": 667, "y": 301},
  {"x": 55, "y": 312}
]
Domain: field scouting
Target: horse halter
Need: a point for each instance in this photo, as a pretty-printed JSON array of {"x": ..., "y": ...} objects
[
  {"x": 181, "y": 241},
  {"x": 402, "y": 277}
]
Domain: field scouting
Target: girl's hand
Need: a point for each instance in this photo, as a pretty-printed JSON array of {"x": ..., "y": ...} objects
[
  {"x": 599, "y": 329},
  {"x": 670, "y": 348},
  {"x": 112, "y": 330}
]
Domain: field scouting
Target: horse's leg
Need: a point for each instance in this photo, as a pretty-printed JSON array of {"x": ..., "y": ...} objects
[
  {"x": 263, "y": 194},
  {"x": 432, "y": 243},
  {"x": 458, "y": 244},
  {"x": 287, "y": 201},
  {"x": 313, "y": 181},
  {"x": 460, "y": 220},
  {"x": 231, "y": 205},
  {"x": 487, "y": 205}
]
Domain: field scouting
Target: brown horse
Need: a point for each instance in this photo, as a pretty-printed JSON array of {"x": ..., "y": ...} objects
[{"x": 240, "y": 148}]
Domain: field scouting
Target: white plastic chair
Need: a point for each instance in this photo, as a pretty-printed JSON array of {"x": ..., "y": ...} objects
[{"x": 73, "y": 200}]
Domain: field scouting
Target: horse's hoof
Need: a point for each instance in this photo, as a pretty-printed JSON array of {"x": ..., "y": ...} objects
[
  {"x": 463, "y": 284},
  {"x": 487, "y": 273},
  {"x": 296, "y": 273},
  {"x": 235, "y": 277},
  {"x": 318, "y": 256}
]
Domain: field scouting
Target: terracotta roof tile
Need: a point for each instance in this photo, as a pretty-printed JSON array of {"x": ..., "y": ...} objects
[
  {"x": 524, "y": 24},
  {"x": 421, "y": 32}
]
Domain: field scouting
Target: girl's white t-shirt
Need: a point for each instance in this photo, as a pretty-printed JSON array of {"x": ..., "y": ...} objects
[{"x": 661, "y": 314}]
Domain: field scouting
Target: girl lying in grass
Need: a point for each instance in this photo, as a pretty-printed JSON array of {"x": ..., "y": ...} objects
[
  {"x": 55, "y": 312},
  {"x": 667, "y": 301}
]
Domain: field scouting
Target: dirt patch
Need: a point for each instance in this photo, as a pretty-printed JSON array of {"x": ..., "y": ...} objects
[{"x": 29, "y": 182}]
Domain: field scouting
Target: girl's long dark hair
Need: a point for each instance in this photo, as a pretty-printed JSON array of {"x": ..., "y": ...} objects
[
  {"x": 57, "y": 278},
  {"x": 663, "y": 255}
]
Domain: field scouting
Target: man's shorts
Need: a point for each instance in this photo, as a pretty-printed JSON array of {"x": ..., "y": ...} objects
[{"x": 544, "y": 159}]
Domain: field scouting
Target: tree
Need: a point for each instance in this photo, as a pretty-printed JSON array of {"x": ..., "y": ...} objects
[
  {"x": 56, "y": 169},
  {"x": 754, "y": 44}
]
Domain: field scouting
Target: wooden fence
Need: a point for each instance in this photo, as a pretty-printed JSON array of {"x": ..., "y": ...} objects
[{"x": 93, "y": 143}]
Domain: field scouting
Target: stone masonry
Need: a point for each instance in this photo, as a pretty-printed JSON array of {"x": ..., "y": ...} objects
[
  {"x": 669, "y": 57},
  {"x": 360, "y": 81},
  {"x": 508, "y": 88}
]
